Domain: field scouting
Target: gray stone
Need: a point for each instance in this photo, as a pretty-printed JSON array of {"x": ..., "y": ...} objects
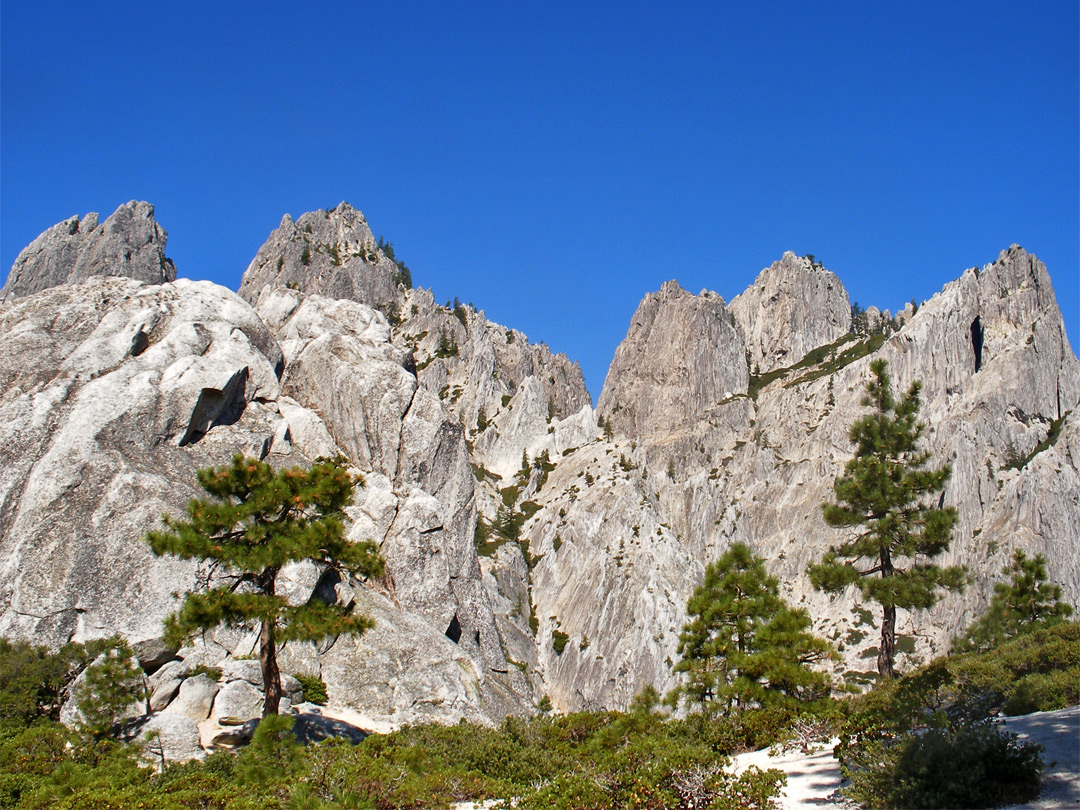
[
  {"x": 242, "y": 669},
  {"x": 172, "y": 738},
  {"x": 163, "y": 693},
  {"x": 129, "y": 243},
  {"x": 236, "y": 703},
  {"x": 195, "y": 698},
  {"x": 682, "y": 358},
  {"x": 331, "y": 253},
  {"x": 153, "y": 653},
  {"x": 793, "y": 307}
]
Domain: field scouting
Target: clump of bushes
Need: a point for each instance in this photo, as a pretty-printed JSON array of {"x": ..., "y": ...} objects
[{"x": 314, "y": 688}]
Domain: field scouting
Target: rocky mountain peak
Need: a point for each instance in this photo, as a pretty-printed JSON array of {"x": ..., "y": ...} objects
[
  {"x": 327, "y": 252},
  {"x": 682, "y": 356},
  {"x": 129, "y": 243},
  {"x": 793, "y": 306}
]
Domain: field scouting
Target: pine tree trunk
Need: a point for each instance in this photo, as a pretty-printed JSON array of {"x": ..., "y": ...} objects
[
  {"x": 888, "y": 642},
  {"x": 887, "y": 650},
  {"x": 268, "y": 653}
]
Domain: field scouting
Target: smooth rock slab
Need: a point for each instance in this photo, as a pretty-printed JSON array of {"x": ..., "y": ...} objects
[
  {"x": 237, "y": 702},
  {"x": 195, "y": 698}
]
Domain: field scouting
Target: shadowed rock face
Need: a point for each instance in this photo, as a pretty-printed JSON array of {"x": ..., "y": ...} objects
[
  {"x": 129, "y": 243},
  {"x": 331, "y": 253}
]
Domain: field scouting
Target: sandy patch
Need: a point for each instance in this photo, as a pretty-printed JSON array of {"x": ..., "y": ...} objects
[{"x": 813, "y": 780}]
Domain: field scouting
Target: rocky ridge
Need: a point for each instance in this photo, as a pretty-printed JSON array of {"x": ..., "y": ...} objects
[
  {"x": 128, "y": 243},
  {"x": 325, "y": 252},
  {"x": 534, "y": 545}
]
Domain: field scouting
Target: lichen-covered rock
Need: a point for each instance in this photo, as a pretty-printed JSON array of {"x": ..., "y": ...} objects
[
  {"x": 330, "y": 253},
  {"x": 793, "y": 306},
  {"x": 129, "y": 243}
]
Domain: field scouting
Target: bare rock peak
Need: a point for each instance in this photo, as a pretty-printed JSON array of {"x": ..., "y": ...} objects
[
  {"x": 793, "y": 306},
  {"x": 329, "y": 252},
  {"x": 130, "y": 243}
]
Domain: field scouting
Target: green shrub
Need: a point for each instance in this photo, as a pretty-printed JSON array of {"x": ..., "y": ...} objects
[
  {"x": 558, "y": 641},
  {"x": 314, "y": 688},
  {"x": 966, "y": 766},
  {"x": 213, "y": 673}
]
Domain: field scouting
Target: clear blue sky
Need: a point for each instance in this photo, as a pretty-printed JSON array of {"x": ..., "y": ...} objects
[{"x": 553, "y": 162}]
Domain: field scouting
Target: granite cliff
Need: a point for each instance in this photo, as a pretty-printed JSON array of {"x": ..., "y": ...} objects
[{"x": 534, "y": 545}]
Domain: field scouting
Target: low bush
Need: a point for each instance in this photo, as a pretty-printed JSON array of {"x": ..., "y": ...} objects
[{"x": 314, "y": 688}]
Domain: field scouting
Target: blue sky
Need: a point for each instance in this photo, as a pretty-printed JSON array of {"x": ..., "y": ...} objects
[{"x": 553, "y": 162}]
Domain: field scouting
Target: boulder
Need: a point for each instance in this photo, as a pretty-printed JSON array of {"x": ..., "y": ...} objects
[
  {"x": 237, "y": 702},
  {"x": 169, "y": 739},
  {"x": 195, "y": 698}
]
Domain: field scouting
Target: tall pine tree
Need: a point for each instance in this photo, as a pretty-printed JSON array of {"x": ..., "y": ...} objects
[
  {"x": 743, "y": 645},
  {"x": 255, "y": 522},
  {"x": 888, "y": 500}
]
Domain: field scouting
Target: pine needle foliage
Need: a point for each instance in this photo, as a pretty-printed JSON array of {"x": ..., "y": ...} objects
[
  {"x": 255, "y": 521},
  {"x": 888, "y": 498},
  {"x": 743, "y": 645},
  {"x": 1024, "y": 604}
]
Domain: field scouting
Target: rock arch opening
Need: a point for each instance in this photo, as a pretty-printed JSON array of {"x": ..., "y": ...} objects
[
  {"x": 453, "y": 630},
  {"x": 977, "y": 342}
]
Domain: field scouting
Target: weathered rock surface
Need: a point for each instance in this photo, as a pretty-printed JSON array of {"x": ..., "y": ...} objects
[
  {"x": 129, "y": 243},
  {"x": 237, "y": 702},
  {"x": 998, "y": 375},
  {"x": 510, "y": 395},
  {"x": 107, "y": 393},
  {"x": 682, "y": 357},
  {"x": 793, "y": 306},
  {"x": 331, "y": 253},
  {"x": 170, "y": 738},
  {"x": 104, "y": 431},
  {"x": 114, "y": 392},
  {"x": 195, "y": 698}
]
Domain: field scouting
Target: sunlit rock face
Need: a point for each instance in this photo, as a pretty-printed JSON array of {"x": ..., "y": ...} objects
[
  {"x": 129, "y": 243},
  {"x": 626, "y": 526},
  {"x": 326, "y": 252},
  {"x": 793, "y": 306},
  {"x": 534, "y": 545}
]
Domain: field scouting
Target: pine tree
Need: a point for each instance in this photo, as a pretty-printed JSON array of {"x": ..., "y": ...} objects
[
  {"x": 743, "y": 644},
  {"x": 1024, "y": 604},
  {"x": 255, "y": 522},
  {"x": 885, "y": 496}
]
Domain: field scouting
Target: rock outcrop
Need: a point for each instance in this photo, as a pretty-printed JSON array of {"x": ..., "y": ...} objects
[
  {"x": 682, "y": 357},
  {"x": 129, "y": 243},
  {"x": 794, "y": 306},
  {"x": 331, "y": 253},
  {"x": 116, "y": 392},
  {"x": 1000, "y": 389},
  {"x": 533, "y": 545}
]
